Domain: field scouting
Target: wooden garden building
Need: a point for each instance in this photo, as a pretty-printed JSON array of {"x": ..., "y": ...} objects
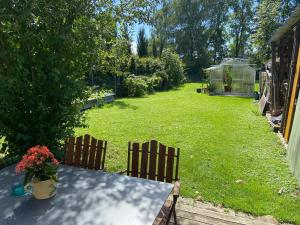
[{"x": 279, "y": 87}]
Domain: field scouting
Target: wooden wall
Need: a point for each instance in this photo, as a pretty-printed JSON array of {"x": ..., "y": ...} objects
[{"x": 293, "y": 154}]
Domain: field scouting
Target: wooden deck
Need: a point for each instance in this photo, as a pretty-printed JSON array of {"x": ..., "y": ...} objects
[{"x": 190, "y": 212}]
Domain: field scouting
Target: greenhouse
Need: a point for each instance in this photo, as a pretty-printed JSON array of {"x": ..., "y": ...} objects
[{"x": 233, "y": 76}]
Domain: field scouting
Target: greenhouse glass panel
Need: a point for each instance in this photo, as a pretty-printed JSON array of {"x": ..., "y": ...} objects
[{"x": 232, "y": 77}]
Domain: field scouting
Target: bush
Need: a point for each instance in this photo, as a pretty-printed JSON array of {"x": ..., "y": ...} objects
[
  {"x": 45, "y": 55},
  {"x": 153, "y": 83},
  {"x": 163, "y": 79},
  {"x": 136, "y": 86},
  {"x": 146, "y": 66},
  {"x": 211, "y": 87},
  {"x": 173, "y": 67}
]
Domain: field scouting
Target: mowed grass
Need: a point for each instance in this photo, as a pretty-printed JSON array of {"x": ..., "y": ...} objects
[{"x": 222, "y": 140}]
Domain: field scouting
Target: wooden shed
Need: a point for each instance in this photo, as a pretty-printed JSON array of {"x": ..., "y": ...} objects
[{"x": 284, "y": 84}]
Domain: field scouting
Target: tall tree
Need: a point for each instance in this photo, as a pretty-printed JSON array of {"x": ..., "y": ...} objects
[
  {"x": 267, "y": 21},
  {"x": 154, "y": 47},
  {"x": 188, "y": 34},
  {"x": 126, "y": 37},
  {"x": 142, "y": 43},
  {"x": 240, "y": 26},
  {"x": 269, "y": 15},
  {"x": 218, "y": 15},
  {"x": 162, "y": 23}
]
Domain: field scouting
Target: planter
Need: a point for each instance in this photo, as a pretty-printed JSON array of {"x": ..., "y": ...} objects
[
  {"x": 227, "y": 88},
  {"x": 42, "y": 189}
]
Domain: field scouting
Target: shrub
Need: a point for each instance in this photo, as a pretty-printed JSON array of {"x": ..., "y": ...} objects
[
  {"x": 43, "y": 65},
  {"x": 173, "y": 67},
  {"x": 153, "y": 83},
  {"x": 211, "y": 87},
  {"x": 136, "y": 86},
  {"x": 147, "y": 66},
  {"x": 163, "y": 79}
]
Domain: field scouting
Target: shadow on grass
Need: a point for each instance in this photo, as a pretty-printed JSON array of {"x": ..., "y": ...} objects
[{"x": 122, "y": 105}]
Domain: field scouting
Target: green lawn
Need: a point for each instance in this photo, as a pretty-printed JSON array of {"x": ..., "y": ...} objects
[{"x": 222, "y": 140}]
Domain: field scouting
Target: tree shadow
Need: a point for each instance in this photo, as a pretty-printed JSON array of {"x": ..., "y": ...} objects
[
  {"x": 121, "y": 105},
  {"x": 86, "y": 197}
]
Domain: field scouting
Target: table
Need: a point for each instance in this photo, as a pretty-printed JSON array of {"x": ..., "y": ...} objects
[{"x": 84, "y": 197}]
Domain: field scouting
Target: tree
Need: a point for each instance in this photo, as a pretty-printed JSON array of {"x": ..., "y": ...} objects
[
  {"x": 184, "y": 29},
  {"x": 240, "y": 26},
  {"x": 47, "y": 48},
  {"x": 154, "y": 47},
  {"x": 162, "y": 22},
  {"x": 142, "y": 43},
  {"x": 269, "y": 15},
  {"x": 267, "y": 21},
  {"x": 216, "y": 29},
  {"x": 126, "y": 37}
]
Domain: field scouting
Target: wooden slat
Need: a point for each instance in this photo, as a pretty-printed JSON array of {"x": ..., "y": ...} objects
[
  {"x": 92, "y": 154},
  {"x": 170, "y": 165},
  {"x": 135, "y": 160},
  {"x": 70, "y": 151},
  {"x": 161, "y": 162},
  {"x": 85, "y": 150},
  {"x": 78, "y": 151},
  {"x": 98, "y": 154},
  {"x": 152, "y": 162},
  {"x": 291, "y": 110},
  {"x": 177, "y": 164},
  {"x": 104, "y": 155},
  {"x": 144, "y": 160},
  {"x": 216, "y": 217},
  {"x": 128, "y": 159}
]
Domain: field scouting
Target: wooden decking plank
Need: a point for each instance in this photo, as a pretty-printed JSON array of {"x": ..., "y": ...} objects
[
  {"x": 209, "y": 206},
  {"x": 205, "y": 218},
  {"x": 220, "y": 216},
  {"x": 185, "y": 221}
]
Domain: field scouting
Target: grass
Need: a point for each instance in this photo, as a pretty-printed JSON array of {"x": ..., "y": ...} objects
[{"x": 222, "y": 140}]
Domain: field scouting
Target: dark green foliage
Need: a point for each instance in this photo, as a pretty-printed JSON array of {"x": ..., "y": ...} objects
[
  {"x": 211, "y": 87},
  {"x": 164, "y": 79},
  {"x": 216, "y": 30},
  {"x": 269, "y": 15},
  {"x": 154, "y": 83},
  {"x": 142, "y": 43},
  {"x": 240, "y": 21},
  {"x": 154, "y": 48},
  {"x": 147, "y": 66},
  {"x": 153, "y": 74},
  {"x": 43, "y": 63},
  {"x": 136, "y": 86},
  {"x": 173, "y": 68},
  {"x": 47, "y": 50}
]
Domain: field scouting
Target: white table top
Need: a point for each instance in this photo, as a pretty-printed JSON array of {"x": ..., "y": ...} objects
[{"x": 84, "y": 197}]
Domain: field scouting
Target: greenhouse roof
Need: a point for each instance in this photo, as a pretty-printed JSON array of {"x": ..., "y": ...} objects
[{"x": 231, "y": 61}]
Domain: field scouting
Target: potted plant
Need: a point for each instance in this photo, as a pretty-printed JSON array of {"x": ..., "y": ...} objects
[
  {"x": 227, "y": 79},
  {"x": 40, "y": 168},
  {"x": 211, "y": 88}
]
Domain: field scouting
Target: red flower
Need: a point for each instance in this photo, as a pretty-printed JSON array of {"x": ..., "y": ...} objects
[{"x": 36, "y": 157}]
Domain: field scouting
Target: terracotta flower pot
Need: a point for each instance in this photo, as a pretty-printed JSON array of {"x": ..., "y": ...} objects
[
  {"x": 227, "y": 88},
  {"x": 42, "y": 189}
]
